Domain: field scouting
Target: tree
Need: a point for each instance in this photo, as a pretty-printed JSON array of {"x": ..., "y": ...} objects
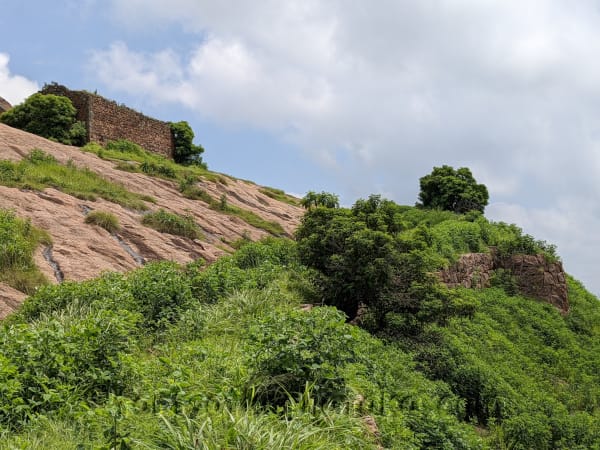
[
  {"x": 452, "y": 190},
  {"x": 360, "y": 258},
  {"x": 185, "y": 150},
  {"x": 354, "y": 262},
  {"x": 47, "y": 115},
  {"x": 313, "y": 199}
]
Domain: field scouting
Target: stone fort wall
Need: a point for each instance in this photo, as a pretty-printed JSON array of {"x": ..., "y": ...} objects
[{"x": 106, "y": 120}]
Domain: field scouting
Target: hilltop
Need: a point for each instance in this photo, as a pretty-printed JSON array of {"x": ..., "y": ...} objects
[
  {"x": 155, "y": 321},
  {"x": 83, "y": 251}
]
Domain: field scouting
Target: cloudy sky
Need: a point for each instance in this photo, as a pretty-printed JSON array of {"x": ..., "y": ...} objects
[{"x": 352, "y": 97}]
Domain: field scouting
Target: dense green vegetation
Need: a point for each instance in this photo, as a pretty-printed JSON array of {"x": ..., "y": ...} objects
[
  {"x": 50, "y": 116},
  {"x": 40, "y": 170},
  {"x": 227, "y": 356},
  {"x": 18, "y": 240}
]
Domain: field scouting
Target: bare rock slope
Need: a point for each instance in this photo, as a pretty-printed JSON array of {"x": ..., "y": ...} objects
[{"x": 82, "y": 251}]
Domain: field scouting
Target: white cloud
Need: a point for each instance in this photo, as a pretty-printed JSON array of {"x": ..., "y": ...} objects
[
  {"x": 380, "y": 92},
  {"x": 14, "y": 88}
]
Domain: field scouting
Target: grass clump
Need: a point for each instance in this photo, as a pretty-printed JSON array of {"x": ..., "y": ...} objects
[
  {"x": 18, "y": 240},
  {"x": 279, "y": 195},
  {"x": 41, "y": 170},
  {"x": 190, "y": 190},
  {"x": 170, "y": 223},
  {"x": 149, "y": 163},
  {"x": 104, "y": 219}
]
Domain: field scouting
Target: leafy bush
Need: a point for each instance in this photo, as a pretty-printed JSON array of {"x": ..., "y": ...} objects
[
  {"x": 61, "y": 360},
  {"x": 109, "y": 291},
  {"x": 160, "y": 292},
  {"x": 103, "y": 219},
  {"x": 326, "y": 199},
  {"x": 50, "y": 116},
  {"x": 300, "y": 350},
  {"x": 185, "y": 150},
  {"x": 167, "y": 222},
  {"x": 452, "y": 190},
  {"x": 161, "y": 170},
  {"x": 125, "y": 146}
]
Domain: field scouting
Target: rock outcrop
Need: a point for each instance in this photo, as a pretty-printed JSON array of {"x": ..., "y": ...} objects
[
  {"x": 10, "y": 299},
  {"x": 535, "y": 276},
  {"x": 4, "y": 105},
  {"x": 81, "y": 251}
]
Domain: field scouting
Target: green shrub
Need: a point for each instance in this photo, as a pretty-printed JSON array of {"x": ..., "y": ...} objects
[
  {"x": 161, "y": 170},
  {"x": 125, "y": 146},
  {"x": 295, "y": 351},
  {"x": 452, "y": 190},
  {"x": 104, "y": 219},
  {"x": 109, "y": 291},
  {"x": 61, "y": 360},
  {"x": 185, "y": 150},
  {"x": 167, "y": 222},
  {"x": 160, "y": 292},
  {"x": 50, "y": 116}
]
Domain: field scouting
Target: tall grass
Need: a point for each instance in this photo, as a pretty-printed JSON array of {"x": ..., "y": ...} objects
[
  {"x": 167, "y": 222},
  {"x": 18, "y": 240},
  {"x": 40, "y": 170},
  {"x": 128, "y": 154},
  {"x": 104, "y": 220}
]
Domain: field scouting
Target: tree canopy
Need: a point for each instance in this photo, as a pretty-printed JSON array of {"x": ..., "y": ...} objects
[
  {"x": 452, "y": 190},
  {"x": 185, "y": 150},
  {"x": 47, "y": 115},
  {"x": 313, "y": 199}
]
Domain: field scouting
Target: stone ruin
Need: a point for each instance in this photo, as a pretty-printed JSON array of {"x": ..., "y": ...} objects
[
  {"x": 4, "y": 105},
  {"x": 535, "y": 276},
  {"x": 106, "y": 120}
]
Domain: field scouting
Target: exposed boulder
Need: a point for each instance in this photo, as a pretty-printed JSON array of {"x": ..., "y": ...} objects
[
  {"x": 4, "y": 105},
  {"x": 536, "y": 276}
]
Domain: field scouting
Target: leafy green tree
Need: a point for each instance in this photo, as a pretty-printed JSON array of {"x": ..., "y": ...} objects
[
  {"x": 185, "y": 150},
  {"x": 361, "y": 258},
  {"x": 50, "y": 116},
  {"x": 452, "y": 190},
  {"x": 313, "y": 199}
]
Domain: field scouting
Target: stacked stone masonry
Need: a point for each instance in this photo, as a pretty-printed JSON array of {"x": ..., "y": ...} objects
[
  {"x": 536, "y": 276},
  {"x": 106, "y": 121}
]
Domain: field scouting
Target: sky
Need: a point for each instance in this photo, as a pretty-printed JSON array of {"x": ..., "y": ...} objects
[{"x": 352, "y": 97}]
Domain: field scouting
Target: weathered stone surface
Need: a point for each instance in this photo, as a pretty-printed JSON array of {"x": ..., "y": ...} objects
[
  {"x": 84, "y": 251},
  {"x": 10, "y": 299},
  {"x": 472, "y": 270},
  {"x": 4, "y": 105},
  {"x": 536, "y": 277},
  {"x": 108, "y": 121}
]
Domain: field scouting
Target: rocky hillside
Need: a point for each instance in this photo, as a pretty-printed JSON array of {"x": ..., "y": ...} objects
[{"x": 81, "y": 251}]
